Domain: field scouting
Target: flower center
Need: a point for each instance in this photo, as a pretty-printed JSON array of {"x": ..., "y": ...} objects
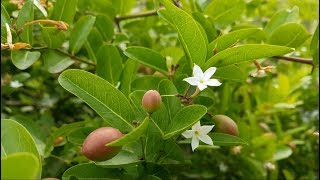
[
  {"x": 196, "y": 133},
  {"x": 201, "y": 81}
]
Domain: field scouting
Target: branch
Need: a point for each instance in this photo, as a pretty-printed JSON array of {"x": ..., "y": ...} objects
[
  {"x": 133, "y": 16},
  {"x": 295, "y": 59}
]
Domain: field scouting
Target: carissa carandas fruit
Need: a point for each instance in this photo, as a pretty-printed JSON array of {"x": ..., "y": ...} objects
[
  {"x": 224, "y": 124},
  {"x": 94, "y": 146},
  {"x": 151, "y": 101}
]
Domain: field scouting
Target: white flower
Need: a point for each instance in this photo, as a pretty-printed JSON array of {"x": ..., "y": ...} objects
[
  {"x": 40, "y": 7},
  {"x": 15, "y": 84},
  {"x": 197, "y": 133},
  {"x": 202, "y": 80}
]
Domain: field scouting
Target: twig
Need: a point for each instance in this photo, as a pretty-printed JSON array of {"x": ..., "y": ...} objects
[{"x": 295, "y": 59}]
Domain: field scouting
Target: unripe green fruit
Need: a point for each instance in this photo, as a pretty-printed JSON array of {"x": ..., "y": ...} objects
[
  {"x": 94, "y": 146},
  {"x": 151, "y": 101},
  {"x": 224, "y": 124}
]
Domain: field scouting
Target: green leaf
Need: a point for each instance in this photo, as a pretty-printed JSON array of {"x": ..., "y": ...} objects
[
  {"x": 245, "y": 53},
  {"x": 136, "y": 99},
  {"x": 23, "y": 59},
  {"x": 282, "y": 17},
  {"x": 100, "y": 95},
  {"x": 147, "y": 57},
  {"x": 224, "y": 12},
  {"x": 131, "y": 136},
  {"x": 161, "y": 118},
  {"x": 172, "y": 103},
  {"x": 282, "y": 152},
  {"x": 290, "y": 35},
  {"x": 15, "y": 139},
  {"x": 176, "y": 53},
  {"x": 123, "y": 6},
  {"x": 105, "y": 26},
  {"x": 221, "y": 139},
  {"x": 80, "y": 32},
  {"x": 64, "y": 10},
  {"x": 22, "y": 165},
  {"x": 225, "y": 41},
  {"x": 26, "y": 14},
  {"x": 314, "y": 46},
  {"x": 146, "y": 83},
  {"x": 55, "y": 62},
  {"x": 91, "y": 171},
  {"x": 123, "y": 159},
  {"x": 211, "y": 33},
  {"x": 78, "y": 135},
  {"x": 128, "y": 74},
  {"x": 190, "y": 34},
  {"x": 109, "y": 64},
  {"x": 93, "y": 43},
  {"x": 53, "y": 37},
  {"x": 232, "y": 73},
  {"x": 5, "y": 18},
  {"x": 184, "y": 119}
]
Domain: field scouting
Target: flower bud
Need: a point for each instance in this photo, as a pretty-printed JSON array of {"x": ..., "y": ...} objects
[
  {"x": 94, "y": 146},
  {"x": 224, "y": 124},
  {"x": 151, "y": 101}
]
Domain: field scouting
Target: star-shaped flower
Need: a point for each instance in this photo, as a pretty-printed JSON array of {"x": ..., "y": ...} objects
[
  {"x": 40, "y": 7},
  {"x": 197, "y": 133},
  {"x": 202, "y": 80}
]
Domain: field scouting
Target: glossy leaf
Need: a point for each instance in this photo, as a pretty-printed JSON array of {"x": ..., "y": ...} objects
[
  {"x": 184, "y": 119},
  {"x": 123, "y": 159},
  {"x": 133, "y": 135},
  {"x": 53, "y": 37},
  {"x": 80, "y": 32},
  {"x": 22, "y": 165},
  {"x": 77, "y": 136},
  {"x": 224, "y": 12},
  {"x": 90, "y": 171},
  {"x": 123, "y": 6},
  {"x": 245, "y": 53},
  {"x": 5, "y": 18},
  {"x": 282, "y": 17},
  {"x": 282, "y": 152},
  {"x": 56, "y": 62},
  {"x": 110, "y": 103},
  {"x": 211, "y": 33},
  {"x": 136, "y": 100},
  {"x": 190, "y": 34},
  {"x": 128, "y": 74},
  {"x": 290, "y": 35},
  {"x": 146, "y": 83},
  {"x": 172, "y": 104},
  {"x": 232, "y": 73},
  {"x": 105, "y": 26},
  {"x": 64, "y": 10},
  {"x": 26, "y": 14},
  {"x": 93, "y": 43},
  {"x": 225, "y": 41},
  {"x": 221, "y": 139},
  {"x": 15, "y": 139},
  {"x": 147, "y": 57},
  {"x": 109, "y": 64},
  {"x": 23, "y": 59}
]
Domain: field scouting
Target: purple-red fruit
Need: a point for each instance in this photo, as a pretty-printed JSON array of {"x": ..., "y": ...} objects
[
  {"x": 94, "y": 146},
  {"x": 151, "y": 101},
  {"x": 224, "y": 124}
]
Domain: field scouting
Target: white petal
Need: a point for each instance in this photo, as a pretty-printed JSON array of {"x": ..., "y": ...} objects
[
  {"x": 40, "y": 7},
  {"x": 206, "y": 139},
  {"x": 192, "y": 80},
  {"x": 212, "y": 82},
  {"x": 197, "y": 72},
  {"x": 209, "y": 72},
  {"x": 205, "y": 129},
  {"x": 188, "y": 133},
  {"x": 194, "y": 143},
  {"x": 202, "y": 86},
  {"x": 196, "y": 126},
  {"x": 9, "y": 35}
]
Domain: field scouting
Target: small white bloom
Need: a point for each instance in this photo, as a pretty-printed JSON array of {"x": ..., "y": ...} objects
[
  {"x": 202, "y": 80},
  {"x": 259, "y": 73},
  {"x": 40, "y": 7},
  {"x": 15, "y": 84},
  {"x": 197, "y": 133},
  {"x": 269, "y": 166}
]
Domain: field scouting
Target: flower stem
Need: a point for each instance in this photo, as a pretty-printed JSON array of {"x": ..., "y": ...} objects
[
  {"x": 195, "y": 93},
  {"x": 169, "y": 95}
]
